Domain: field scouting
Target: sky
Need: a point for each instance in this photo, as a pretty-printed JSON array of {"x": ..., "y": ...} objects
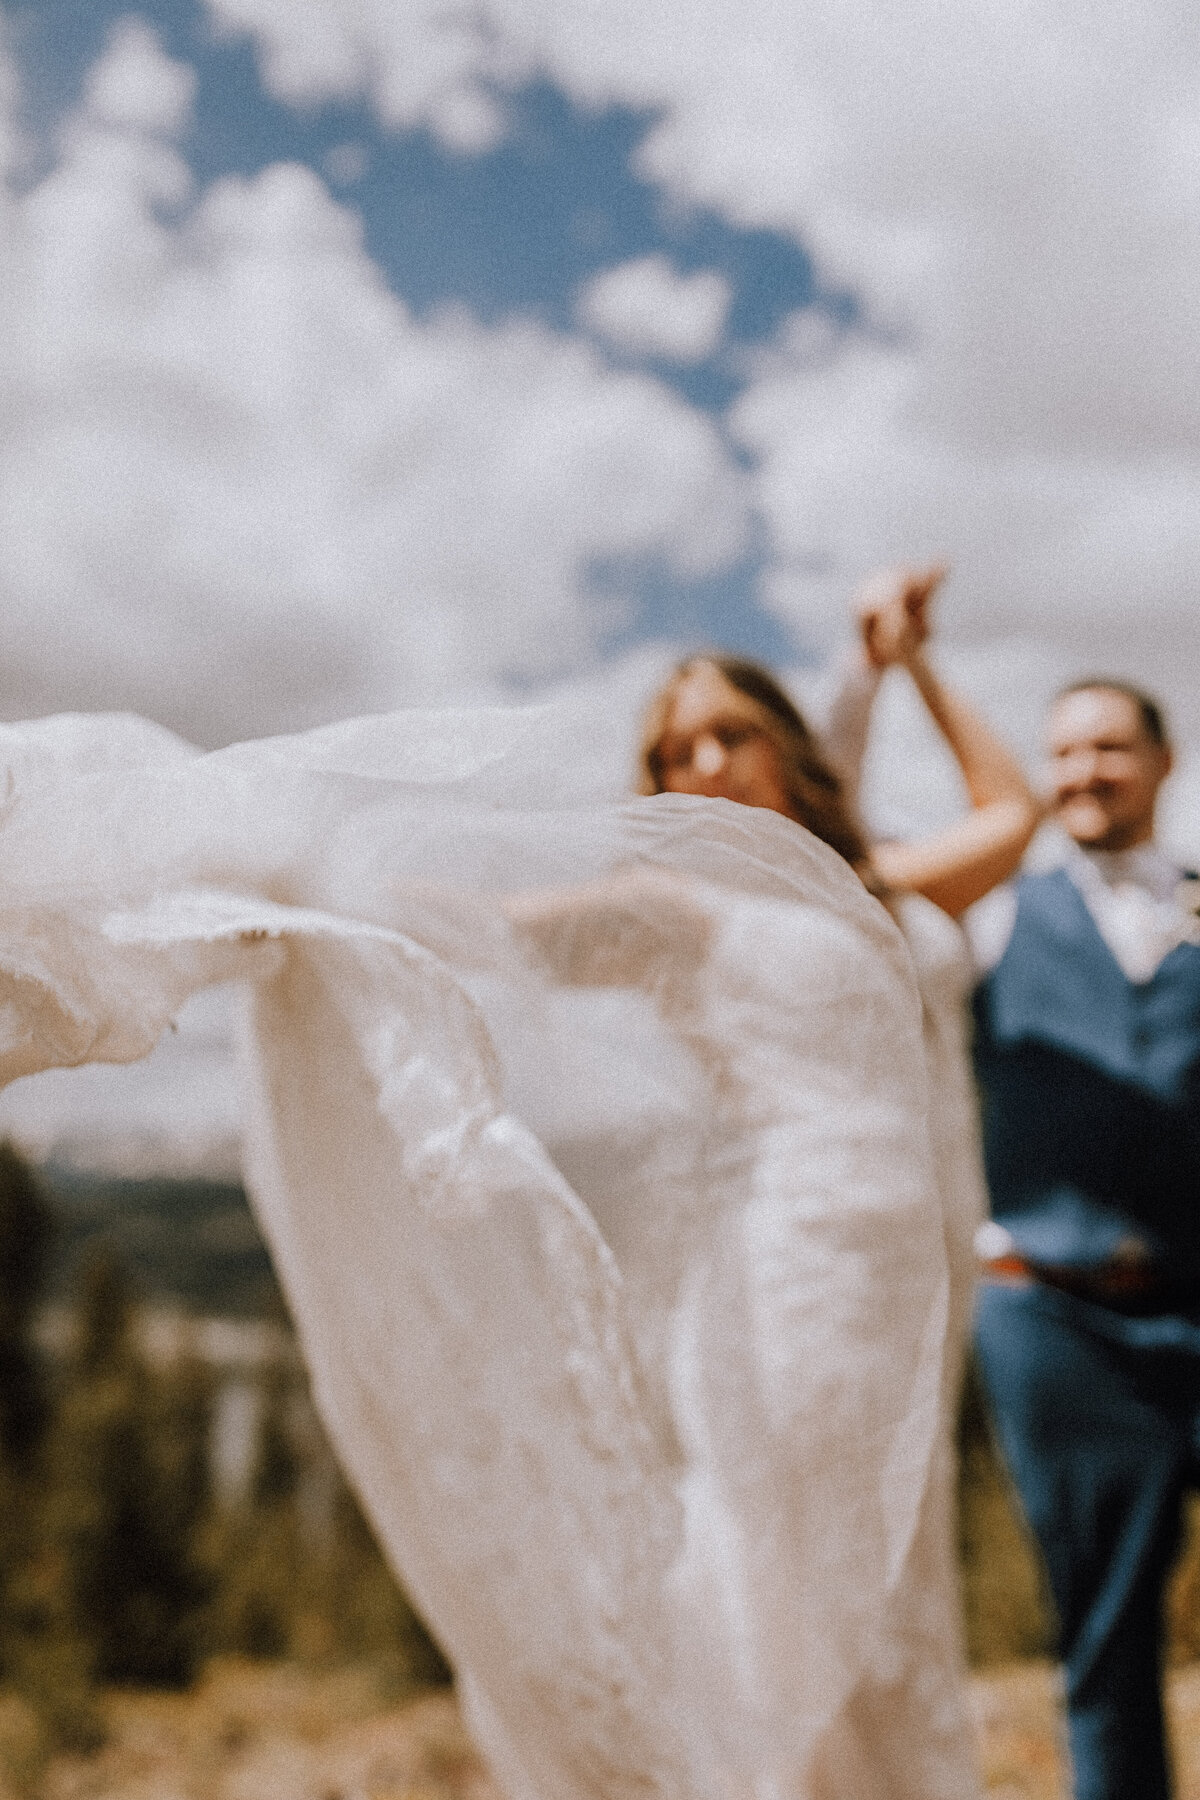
[{"x": 364, "y": 353}]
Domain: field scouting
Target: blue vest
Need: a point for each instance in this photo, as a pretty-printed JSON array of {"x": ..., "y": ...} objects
[{"x": 1091, "y": 1090}]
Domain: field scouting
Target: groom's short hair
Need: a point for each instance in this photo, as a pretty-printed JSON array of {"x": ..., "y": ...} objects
[{"x": 1150, "y": 711}]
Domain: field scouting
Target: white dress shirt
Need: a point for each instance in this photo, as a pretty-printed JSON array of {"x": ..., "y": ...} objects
[{"x": 1140, "y": 900}]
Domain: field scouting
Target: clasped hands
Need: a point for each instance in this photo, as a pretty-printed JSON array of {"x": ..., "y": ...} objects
[{"x": 892, "y": 609}]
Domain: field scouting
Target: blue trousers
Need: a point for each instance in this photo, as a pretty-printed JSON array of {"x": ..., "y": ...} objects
[{"x": 1098, "y": 1416}]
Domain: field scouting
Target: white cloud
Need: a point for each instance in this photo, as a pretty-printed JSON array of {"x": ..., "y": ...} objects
[
  {"x": 426, "y": 64},
  {"x": 648, "y": 308},
  {"x": 135, "y": 85},
  {"x": 240, "y": 487},
  {"x": 1097, "y": 557},
  {"x": 1013, "y": 194}
]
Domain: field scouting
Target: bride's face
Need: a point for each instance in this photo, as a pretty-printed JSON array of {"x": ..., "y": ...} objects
[{"x": 714, "y": 744}]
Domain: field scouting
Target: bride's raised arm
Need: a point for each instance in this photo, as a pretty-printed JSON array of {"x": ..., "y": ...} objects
[{"x": 957, "y": 866}]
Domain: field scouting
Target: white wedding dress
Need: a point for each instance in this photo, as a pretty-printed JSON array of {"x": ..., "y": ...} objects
[
  {"x": 610, "y": 1233},
  {"x": 904, "y": 1732}
]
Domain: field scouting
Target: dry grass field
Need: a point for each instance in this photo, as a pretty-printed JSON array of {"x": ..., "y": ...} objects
[
  {"x": 1015, "y": 1712},
  {"x": 276, "y": 1732},
  {"x": 253, "y": 1731}
]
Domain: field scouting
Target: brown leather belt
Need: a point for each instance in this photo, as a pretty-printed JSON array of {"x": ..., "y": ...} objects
[{"x": 1127, "y": 1287}]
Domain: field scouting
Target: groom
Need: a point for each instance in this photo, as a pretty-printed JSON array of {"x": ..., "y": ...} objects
[{"x": 1088, "y": 1051}]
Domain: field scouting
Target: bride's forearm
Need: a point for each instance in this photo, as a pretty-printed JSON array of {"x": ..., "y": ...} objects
[
  {"x": 989, "y": 769},
  {"x": 633, "y": 928}
]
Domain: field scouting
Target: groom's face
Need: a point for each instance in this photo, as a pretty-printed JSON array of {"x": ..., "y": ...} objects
[{"x": 1105, "y": 768}]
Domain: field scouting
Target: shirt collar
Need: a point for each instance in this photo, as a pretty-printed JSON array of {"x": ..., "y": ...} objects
[{"x": 1145, "y": 866}]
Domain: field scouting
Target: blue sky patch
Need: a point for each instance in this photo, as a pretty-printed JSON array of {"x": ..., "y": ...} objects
[{"x": 512, "y": 231}]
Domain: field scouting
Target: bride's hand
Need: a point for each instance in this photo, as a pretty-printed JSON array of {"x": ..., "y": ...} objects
[
  {"x": 638, "y": 927},
  {"x": 893, "y": 613}
]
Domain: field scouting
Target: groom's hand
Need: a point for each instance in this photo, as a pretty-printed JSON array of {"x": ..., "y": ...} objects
[{"x": 893, "y": 613}]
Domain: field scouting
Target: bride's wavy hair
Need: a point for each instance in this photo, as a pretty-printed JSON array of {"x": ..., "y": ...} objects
[{"x": 815, "y": 791}]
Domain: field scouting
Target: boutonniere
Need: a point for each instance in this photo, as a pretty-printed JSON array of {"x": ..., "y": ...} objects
[{"x": 1188, "y": 895}]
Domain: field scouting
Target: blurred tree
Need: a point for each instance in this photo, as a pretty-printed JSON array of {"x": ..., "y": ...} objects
[
  {"x": 376, "y": 1620},
  {"x": 26, "y": 1237},
  {"x": 40, "y": 1655},
  {"x": 116, "y": 1564},
  {"x": 301, "y": 1572},
  {"x": 127, "y": 1494},
  {"x": 266, "y": 1565},
  {"x": 276, "y": 1474}
]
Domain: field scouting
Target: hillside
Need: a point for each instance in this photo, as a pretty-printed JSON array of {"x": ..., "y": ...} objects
[{"x": 188, "y": 1243}]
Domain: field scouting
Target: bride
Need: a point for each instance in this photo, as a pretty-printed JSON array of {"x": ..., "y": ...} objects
[
  {"x": 591, "y": 1144},
  {"x": 723, "y": 727}
]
